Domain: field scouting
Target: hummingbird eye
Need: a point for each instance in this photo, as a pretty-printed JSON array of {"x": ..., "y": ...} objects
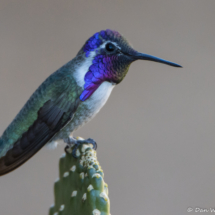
[{"x": 110, "y": 47}]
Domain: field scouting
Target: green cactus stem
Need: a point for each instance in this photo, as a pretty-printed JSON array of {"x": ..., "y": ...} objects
[{"x": 80, "y": 189}]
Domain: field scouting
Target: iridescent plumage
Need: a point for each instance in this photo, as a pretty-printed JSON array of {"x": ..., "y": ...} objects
[{"x": 69, "y": 98}]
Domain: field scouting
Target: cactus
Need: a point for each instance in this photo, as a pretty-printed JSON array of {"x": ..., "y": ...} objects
[{"x": 80, "y": 189}]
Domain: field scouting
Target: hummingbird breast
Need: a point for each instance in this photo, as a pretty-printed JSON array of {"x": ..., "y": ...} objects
[{"x": 86, "y": 110}]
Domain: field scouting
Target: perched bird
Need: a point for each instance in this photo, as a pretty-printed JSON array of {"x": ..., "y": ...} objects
[{"x": 69, "y": 98}]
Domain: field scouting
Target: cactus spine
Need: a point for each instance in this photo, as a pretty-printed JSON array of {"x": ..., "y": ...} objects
[{"x": 80, "y": 189}]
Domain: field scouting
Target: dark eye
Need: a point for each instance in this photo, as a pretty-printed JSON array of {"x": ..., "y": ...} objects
[{"x": 110, "y": 47}]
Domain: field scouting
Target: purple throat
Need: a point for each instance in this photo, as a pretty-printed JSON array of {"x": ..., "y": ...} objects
[{"x": 99, "y": 71}]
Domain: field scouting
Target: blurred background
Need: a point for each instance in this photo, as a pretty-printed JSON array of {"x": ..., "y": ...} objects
[{"x": 156, "y": 134}]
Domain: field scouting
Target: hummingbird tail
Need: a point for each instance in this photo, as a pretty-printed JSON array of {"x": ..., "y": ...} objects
[{"x": 1, "y": 146}]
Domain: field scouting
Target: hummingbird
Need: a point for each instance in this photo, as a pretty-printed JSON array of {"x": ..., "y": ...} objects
[{"x": 69, "y": 98}]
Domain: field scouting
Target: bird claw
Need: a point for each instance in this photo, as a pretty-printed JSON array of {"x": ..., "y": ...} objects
[
  {"x": 91, "y": 141},
  {"x": 76, "y": 143}
]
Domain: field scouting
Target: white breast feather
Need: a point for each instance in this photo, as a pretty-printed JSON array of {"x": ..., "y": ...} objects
[{"x": 100, "y": 96}]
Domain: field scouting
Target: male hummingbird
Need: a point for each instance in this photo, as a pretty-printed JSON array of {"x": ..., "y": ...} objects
[{"x": 69, "y": 98}]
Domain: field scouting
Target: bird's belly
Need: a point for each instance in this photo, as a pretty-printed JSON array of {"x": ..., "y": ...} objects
[{"x": 86, "y": 110}]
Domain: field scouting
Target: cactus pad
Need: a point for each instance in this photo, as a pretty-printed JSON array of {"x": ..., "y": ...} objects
[{"x": 80, "y": 189}]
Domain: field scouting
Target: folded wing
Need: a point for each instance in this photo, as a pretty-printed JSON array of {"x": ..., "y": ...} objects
[{"x": 56, "y": 111}]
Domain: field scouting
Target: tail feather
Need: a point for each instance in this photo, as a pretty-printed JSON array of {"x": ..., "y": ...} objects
[{"x": 2, "y": 148}]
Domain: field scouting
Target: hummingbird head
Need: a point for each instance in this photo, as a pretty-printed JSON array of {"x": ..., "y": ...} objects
[{"x": 110, "y": 56}]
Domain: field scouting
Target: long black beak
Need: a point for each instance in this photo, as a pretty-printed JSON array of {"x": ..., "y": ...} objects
[{"x": 141, "y": 56}]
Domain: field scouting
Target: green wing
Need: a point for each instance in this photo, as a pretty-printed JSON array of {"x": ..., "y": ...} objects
[{"x": 47, "y": 111}]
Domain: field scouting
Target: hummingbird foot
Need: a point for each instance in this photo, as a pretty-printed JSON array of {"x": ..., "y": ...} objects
[{"x": 73, "y": 144}]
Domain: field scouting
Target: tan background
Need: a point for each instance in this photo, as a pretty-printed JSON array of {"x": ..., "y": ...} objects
[{"x": 156, "y": 134}]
